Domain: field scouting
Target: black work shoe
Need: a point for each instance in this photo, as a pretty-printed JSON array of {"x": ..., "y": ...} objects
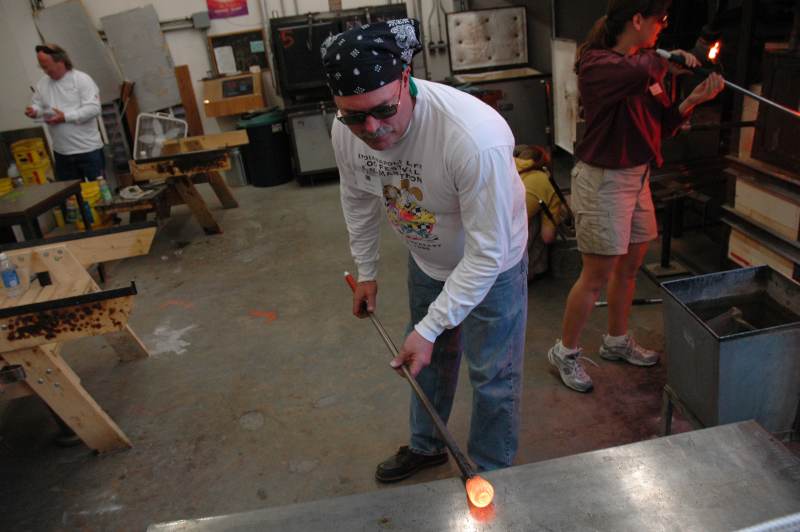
[{"x": 405, "y": 463}]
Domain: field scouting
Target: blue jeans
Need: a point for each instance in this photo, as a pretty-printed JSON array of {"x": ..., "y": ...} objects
[
  {"x": 493, "y": 339},
  {"x": 90, "y": 164}
]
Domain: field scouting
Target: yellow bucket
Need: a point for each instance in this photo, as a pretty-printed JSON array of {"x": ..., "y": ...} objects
[
  {"x": 37, "y": 174},
  {"x": 29, "y": 152},
  {"x": 91, "y": 195}
]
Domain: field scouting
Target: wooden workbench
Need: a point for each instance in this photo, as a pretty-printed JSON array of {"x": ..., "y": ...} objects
[
  {"x": 23, "y": 205},
  {"x": 61, "y": 304},
  {"x": 188, "y": 161}
]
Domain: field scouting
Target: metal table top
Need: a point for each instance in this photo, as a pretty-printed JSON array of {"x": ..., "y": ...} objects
[{"x": 721, "y": 478}]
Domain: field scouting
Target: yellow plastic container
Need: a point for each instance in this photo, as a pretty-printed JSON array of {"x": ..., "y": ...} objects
[
  {"x": 37, "y": 174},
  {"x": 6, "y": 186},
  {"x": 91, "y": 195},
  {"x": 29, "y": 152}
]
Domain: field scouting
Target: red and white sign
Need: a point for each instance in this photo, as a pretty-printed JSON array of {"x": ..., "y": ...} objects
[{"x": 226, "y": 8}]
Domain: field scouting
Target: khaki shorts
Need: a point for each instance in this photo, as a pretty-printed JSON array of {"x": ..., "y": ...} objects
[{"x": 613, "y": 208}]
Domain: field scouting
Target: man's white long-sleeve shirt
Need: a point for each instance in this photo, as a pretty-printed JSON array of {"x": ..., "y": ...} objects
[
  {"x": 452, "y": 193},
  {"x": 77, "y": 96}
]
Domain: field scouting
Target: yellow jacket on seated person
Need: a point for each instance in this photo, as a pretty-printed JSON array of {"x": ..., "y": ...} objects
[{"x": 538, "y": 187}]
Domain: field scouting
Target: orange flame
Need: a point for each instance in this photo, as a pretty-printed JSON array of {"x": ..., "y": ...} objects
[
  {"x": 479, "y": 491},
  {"x": 713, "y": 52}
]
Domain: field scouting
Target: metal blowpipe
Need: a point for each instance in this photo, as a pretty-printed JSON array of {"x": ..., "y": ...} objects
[
  {"x": 479, "y": 491},
  {"x": 679, "y": 59}
]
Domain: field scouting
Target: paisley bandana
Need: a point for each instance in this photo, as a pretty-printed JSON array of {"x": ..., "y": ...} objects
[{"x": 367, "y": 58}]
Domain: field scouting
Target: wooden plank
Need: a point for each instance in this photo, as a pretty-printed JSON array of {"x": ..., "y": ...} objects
[
  {"x": 126, "y": 344},
  {"x": 47, "y": 376},
  {"x": 186, "y": 164},
  {"x": 498, "y": 75},
  {"x": 188, "y": 193},
  {"x": 222, "y": 190},
  {"x": 54, "y": 350},
  {"x": 216, "y": 141},
  {"x": 15, "y": 390},
  {"x": 91, "y": 250},
  {"x": 186, "y": 89},
  {"x": 131, "y": 106},
  {"x": 30, "y": 295},
  {"x": 72, "y": 289},
  {"x": 46, "y": 294},
  {"x": 747, "y": 252},
  {"x": 65, "y": 323},
  {"x": 69, "y": 275},
  {"x": 778, "y": 212}
]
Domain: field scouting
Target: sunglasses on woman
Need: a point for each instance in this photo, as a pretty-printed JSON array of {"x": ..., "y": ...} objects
[{"x": 381, "y": 112}]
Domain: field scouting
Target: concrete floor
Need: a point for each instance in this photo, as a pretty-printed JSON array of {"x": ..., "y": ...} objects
[{"x": 263, "y": 390}]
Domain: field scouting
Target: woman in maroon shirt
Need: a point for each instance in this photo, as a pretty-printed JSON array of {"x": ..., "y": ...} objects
[{"x": 627, "y": 112}]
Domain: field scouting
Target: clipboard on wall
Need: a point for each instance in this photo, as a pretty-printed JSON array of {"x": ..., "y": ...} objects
[{"x": 238, "y": 51}]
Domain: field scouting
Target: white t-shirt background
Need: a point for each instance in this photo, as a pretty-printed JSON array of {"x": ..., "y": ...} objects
[
  {"x": 451, "y": 192},
  {"x": 77, "y": 96}
]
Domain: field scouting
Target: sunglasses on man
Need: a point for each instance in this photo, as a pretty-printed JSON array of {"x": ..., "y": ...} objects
[
  {"x": 381, "y": 112},
  {"x": 45, "y": 50}
]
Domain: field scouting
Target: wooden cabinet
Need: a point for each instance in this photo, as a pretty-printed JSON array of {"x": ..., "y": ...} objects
[{"x": 233, "y": 95}]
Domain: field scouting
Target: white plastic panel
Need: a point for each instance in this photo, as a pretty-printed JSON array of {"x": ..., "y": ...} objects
[
  {"x": 565, "y": 94},
  {"x": 489, "y": 38},
  {"x": 140, "y": 49},
  {"x": 68, "y": 25}
]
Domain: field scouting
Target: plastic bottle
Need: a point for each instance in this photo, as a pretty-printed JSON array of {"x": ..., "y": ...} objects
[
  {"x": 13, "y": 173},
  {"x": 105, "y": 191},
  {"x": 58, "y": 215},
  {"x": 72, "y": 210},
  {"x": 8, "y": 270}
]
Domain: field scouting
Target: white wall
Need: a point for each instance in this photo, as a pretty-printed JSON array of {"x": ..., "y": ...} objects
[
  {"x": 20, "y": 70},
  {"x": 188, "y": 47}
]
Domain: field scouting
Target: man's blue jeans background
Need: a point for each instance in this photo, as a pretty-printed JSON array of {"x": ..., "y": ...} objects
[
  {"x": 90, "y": 165},
  {"x": 492, "y": 338}
]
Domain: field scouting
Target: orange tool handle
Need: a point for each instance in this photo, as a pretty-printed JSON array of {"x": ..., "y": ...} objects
[{"x": 350, "y": 281}]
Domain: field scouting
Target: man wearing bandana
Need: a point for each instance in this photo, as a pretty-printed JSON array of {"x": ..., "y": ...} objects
[{"x": 440, "y": 163}]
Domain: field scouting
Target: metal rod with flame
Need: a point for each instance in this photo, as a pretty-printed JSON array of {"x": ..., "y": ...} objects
[
  {"x": 712, "y": 55},
  {"x": 479, "y": 491}
]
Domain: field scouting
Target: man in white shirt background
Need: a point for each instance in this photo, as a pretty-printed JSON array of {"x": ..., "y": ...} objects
[
  {"x": 68, "y": 101},
  {"x": 440, "y": 162}
]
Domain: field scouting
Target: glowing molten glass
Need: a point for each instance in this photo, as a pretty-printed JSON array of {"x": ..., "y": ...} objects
[
  {"x": 479, "y": 491},
  {"x": 713, "y": 52}
]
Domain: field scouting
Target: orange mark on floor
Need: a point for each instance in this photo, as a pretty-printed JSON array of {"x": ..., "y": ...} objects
[
  {"x": 268, "y": 315},
  {"x": 177, "y": 303}
]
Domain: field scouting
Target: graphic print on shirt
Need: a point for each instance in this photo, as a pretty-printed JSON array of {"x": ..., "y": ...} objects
[
  {"x": 406, "y": 215},
  {"x": 404, "y": 208}
]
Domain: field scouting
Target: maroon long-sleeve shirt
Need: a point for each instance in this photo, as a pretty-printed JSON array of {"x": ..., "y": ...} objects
[{"x": 626, "y": 107}]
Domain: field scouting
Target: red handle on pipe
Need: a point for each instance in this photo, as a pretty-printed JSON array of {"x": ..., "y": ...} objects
[{"x": 350, "y": 281}]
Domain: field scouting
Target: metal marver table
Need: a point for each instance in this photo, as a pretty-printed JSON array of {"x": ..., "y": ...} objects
[{"x": 721, "y": 478}]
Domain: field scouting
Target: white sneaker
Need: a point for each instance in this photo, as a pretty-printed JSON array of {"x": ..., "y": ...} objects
[
  {"x": 630, "y": 352},
  {"x": 572, "y": 373}
]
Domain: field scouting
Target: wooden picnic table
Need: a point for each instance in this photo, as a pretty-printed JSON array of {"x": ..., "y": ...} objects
[{"x": 185, "y": 162}]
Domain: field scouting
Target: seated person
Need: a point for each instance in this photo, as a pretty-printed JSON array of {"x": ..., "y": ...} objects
[{"x": 531, "y": 164}]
